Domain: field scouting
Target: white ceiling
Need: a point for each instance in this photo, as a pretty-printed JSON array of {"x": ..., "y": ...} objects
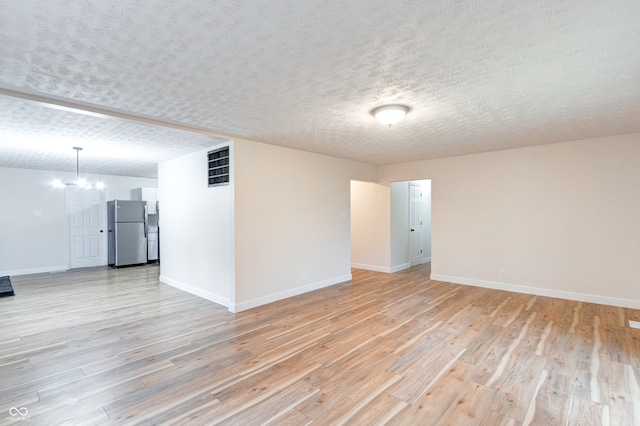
[
  {"x": 479, "y": 75},
  {"x": 42, "y": 137}
]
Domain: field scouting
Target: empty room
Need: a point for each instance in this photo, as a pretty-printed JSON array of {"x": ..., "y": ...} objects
[{"x": 320, "y": 212}]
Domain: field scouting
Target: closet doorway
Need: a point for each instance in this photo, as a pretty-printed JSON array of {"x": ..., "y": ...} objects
[{"x": 410, "y": 224}]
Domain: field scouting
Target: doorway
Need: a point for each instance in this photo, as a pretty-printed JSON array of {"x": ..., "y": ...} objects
[
  {"x": 381, "y": 236},
  {"x": 86, "y": 210},
  {"x": 410, "y": 223}
]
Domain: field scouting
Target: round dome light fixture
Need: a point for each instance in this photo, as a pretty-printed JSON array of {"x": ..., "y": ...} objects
[{"x": 390, "y": 114}]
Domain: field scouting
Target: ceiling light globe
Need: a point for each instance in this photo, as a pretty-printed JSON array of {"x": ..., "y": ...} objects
[{"x": 390, "y": 114}]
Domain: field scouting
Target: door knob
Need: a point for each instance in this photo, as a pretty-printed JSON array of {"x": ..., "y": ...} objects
[{"x": 412, "y": 230}]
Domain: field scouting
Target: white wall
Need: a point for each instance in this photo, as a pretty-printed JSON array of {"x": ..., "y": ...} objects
[
  {"x": 370, "y": 234},
  {"x": 559, "y": 219},
  {"x": 33, "y": 244},
  {"x": 292, "y": 211},
  {"x": 196, "y": 229},
  {"x": 29, "y": 243},
  {"x": 400, "y": 253},
  {"x": 116, "y": 187}
]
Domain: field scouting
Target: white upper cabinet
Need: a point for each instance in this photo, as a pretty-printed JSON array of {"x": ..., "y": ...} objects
[{"x": 150, "y": 195}]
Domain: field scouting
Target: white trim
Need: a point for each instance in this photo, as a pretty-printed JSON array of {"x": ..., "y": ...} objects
[
  {"x": 43, "y": 270},
  {"x": 426, "y": 259},
  {"x": 196, "y": 291},
  {"x": 560, "y": 294},
  {"x": 371, "y": 267},
  {"x": 232, "y": 222},
  {"x": 401, "y": 267},
  {"x": 385, "y": 269},
  {"x": 243, "y": 306}
]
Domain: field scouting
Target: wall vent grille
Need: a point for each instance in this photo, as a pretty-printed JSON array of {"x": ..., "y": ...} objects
[{"x": 218, "y": 161}]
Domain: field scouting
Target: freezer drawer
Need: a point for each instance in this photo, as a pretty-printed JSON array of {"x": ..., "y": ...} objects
[{"x": 130, "y": 243}]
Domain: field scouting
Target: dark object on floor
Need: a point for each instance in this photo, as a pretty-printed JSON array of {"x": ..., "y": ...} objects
[{"x": 5, "y": 287}]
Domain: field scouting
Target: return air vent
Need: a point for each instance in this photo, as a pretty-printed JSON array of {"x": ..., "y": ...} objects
[{"x": 218, "y": 161}]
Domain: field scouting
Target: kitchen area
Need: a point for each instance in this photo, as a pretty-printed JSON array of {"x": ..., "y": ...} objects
[{"x": 133, "y": 229}]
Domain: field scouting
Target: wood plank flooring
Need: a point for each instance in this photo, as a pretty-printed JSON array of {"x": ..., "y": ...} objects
[{"x": 105, "y": 346}]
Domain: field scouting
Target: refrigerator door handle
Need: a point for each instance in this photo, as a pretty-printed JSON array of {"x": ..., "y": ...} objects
[{"x": 146, "y": 220}]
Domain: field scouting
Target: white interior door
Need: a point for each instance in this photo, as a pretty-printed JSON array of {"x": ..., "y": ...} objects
[
  {"x": 415, "y": 223},
  {"x": 86, "y": 210}
]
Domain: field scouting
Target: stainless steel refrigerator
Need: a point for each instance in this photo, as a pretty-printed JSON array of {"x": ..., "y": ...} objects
[{"x": 127, "y": 232}]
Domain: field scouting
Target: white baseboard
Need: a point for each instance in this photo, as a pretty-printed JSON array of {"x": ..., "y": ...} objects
[
  {"x": 560, "y": 294},
  {"x": 224, "y": 301},
  {"x": 402, "y": 267},
  {"x": 426, "y": 259},
  {"x": 243, "y": 306},
  {"x": 371, "y": 267},
  {"x": 29, "y": 271},
  {"x": 385, "y": 269}
]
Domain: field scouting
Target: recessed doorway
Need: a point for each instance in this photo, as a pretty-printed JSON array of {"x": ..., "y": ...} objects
[{"x": 410, "y": 223}]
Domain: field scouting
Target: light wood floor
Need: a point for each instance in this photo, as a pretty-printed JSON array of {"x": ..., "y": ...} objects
[{"x": 115, "y": 346}]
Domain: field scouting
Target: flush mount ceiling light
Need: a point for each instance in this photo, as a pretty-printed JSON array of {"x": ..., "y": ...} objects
[
  {"x": 79, "y": 182},
  {"x": 390, "y": 114}
]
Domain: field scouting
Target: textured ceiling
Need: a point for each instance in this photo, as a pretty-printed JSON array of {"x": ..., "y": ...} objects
[{"x": 479, "y": 75}]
